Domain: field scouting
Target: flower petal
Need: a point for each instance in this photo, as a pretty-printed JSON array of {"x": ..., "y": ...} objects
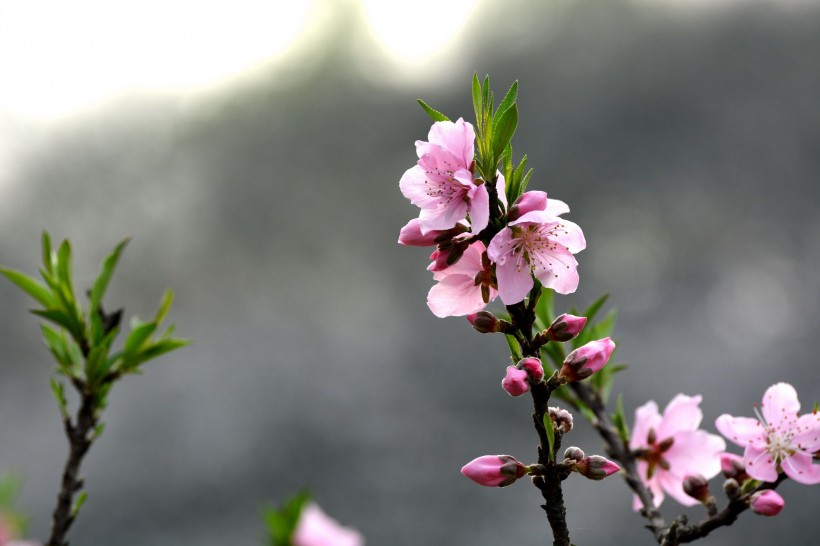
[
  {"x": 673, "y": 485},
  {"x": 780, "y": 403},
  {"x": 479, "y": 208},
  {"x": 800, "y": 468},
  {"x": 646, "y": 418},
  {"x": 681, "y": 413},
  {"x": 557, "y": 207},
  {"x": 514, "y": 279},
  {"x": 455, "y": 296},
  {"x": 807, "y": 436},
  {"x": 695, "y": 452},
  {"x": 556, "y": 268},
  {"x": 742, "y": 431},
  {"x": 759, "y": 463}
]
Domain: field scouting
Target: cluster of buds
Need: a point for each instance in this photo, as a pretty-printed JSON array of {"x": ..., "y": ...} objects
[
  {"x": 519, "y": 377},
  {"x": 593, "y": 467}
]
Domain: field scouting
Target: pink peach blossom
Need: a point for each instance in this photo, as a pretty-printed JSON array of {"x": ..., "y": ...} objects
[
  {"x": 442, "y": 182},
  {"x": 778, "y": 440},
  {"x": 315, "y": 528},
  {"x": 538, "y": 243},
  {"x": 671, "y": 447},
  {"x": 465, "y": 287}
]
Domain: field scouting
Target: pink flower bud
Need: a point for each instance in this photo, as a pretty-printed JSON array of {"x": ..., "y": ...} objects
[
  {"x": 533, "y": 368},
  {"x": 494, "y": 470},
  {"x": 767, "y": 503},
  {"x": 696, "y": 487},
  {"x": 588, "y": 359},
  {"x": 561, "y": 418},
  {"x": 596, "y": 467},
  {"x": 565, "y": 327},
  {"x": 515, "y": 382},
  {"x": 732, "y": 466},
  {"x": 411, "y": 235},
  {"x": 574, "y": 453},
  {"x": 527, "y": 202}
]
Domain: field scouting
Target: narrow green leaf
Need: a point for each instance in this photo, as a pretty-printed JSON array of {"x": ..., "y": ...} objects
[
  {"x": 101, "y": 284},
  {"x": 30, "y": 286},
  {"x": 164, "y": 306},
  {"x": 57, "y": 317},
  {"x": 504, "y": 129},
  {"x": 619, "y": 420},
  {"x": 75, "y": 509},
  {"x": 432, "y": 112},
  {"x": 478, "y": 105},
  {"x": 487, "y": 97},
  {"x": 64, "y": 266},
  {"x": 47, "y": 255},
  {"x": 59, "y": 395},
  {"x": 160, "y": 347},
  {"x": 544, "y": 313},
  {"x": 522, "y": 187},
  {"x": 594, "y": 307},
  {"x": 138, "y": 336},
  {"x": 98, "y": 431},
  {"x": 508, "y": 100},
  {"x": 548, "y": 428},
  {"x": 515, "y": 349}
]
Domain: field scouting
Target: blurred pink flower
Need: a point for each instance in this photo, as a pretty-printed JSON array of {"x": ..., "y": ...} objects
[
  {"x": 465, "y": 287},
  {"x": 442, "y": 184},
  {"x": 671, "y": 447},
  {"x": 779, "y": 439},
  {"x": 315, "y": 528},
  {"x": 537, "y": 243}
]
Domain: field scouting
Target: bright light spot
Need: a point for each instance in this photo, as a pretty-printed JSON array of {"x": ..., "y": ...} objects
[
  {"x": 412, "y": 32},
  {"x": 56, "y": 57}
]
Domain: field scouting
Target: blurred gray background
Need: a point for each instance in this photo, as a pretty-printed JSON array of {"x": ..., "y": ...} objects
[{"x": 686, "y": 140}]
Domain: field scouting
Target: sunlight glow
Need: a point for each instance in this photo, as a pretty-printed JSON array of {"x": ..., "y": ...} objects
[{"x": 56, "y": 57}]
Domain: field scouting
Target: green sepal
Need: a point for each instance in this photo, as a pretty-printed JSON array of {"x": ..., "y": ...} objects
[
  {"x": 30, "y": 286},
  {"x": 550, "y": 430},
  {"x": 432, "y": 112},
  {"x": 749, "y": 486}
]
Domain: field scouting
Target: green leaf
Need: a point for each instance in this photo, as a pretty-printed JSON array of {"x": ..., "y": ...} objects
[
  {"x": 508, "y": 101},
  {"x": 138, "y": 336},
  {"x": 504, "y": 129},
  {"x": 48, "y": 262},
  {"x": 619, "y": 420},
  {"x": 164, "y": 306},
  {"x": 594, "y": 307},
  {"x": 548, "y": 428},
  {"x": 95, "y": 364},
  {"x": 281, "y": 521},
  {"x": 101, "y": 284},
  {"x": 478, "y": 105},
  {"x": 75, "y": 509},
  {"x": 433, "y": 113},
  {"x": 59, "y": 395},
  {"x": 57, "y": 317},
  {"x": 544, "y": 313},
  {"x": 487, "y": 98},
  {"x": 30, "y": 286},
  {"x": 64, "y": 268},
  {"x": 162, "y": 346},
  {"x": 515, "y": 349}
]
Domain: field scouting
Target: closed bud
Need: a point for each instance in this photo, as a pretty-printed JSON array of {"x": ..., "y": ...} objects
[
  {"x": 485, "y": 322},
  {"x": 533, "y": 368},
  {"x": 515, "y": 382},
  {"x": 587, "y": 359},
  {"x": 574, "y": 453},
  {"x": 731, "y": 488},
  {"x": 565, "y": 327},
  {"x": 527, "y": 202},
  {"x": 494, "y": 470},
  {"x": 562, "y": 419},
  {"x": 767, "y": 503},
  {"x": 696, "y": 487},
  {"x": 596, "y": 467}
]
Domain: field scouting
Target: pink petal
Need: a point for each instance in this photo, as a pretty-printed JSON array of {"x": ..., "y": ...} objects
[
  {"x": 759, "y": 463},
  {"x": 646, "y": 418},
  {"x": 800, "y": 468},
  {"x": 457, "y": 138},
  {"x": 780, "y": 403},
  {"x": 681, "y": 413},
  {"x": 556, "y": 268},
  {"x": 469, "y": 264},
  {"x": 807, "y": 436},
  {"x": 455, "y": 296},
  {"x": 413, "y": 187},
  {"x": 315, "y": 528},
  {"x": 570, "y": 235},
  {"x": 479, "y": 208},
  {"x": 695, "y": 452},
  {"x": 514, "y": 280},
  {"x": 443, "y": 217},
  {"x": 556, "y": 207},
  {"x": 742, "y": 431}
]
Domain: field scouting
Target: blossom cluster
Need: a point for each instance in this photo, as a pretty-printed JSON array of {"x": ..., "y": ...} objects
[{"x": 474, "y": 261}]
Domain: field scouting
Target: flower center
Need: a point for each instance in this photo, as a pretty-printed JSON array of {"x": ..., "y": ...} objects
[{"x": 653, "y": 453}]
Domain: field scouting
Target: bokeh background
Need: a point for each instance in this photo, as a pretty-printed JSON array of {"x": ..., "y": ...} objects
[{"x": 253, "y": 151}]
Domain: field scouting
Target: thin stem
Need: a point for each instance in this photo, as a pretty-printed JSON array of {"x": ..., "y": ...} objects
[{"x": 79, "y": 440}]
